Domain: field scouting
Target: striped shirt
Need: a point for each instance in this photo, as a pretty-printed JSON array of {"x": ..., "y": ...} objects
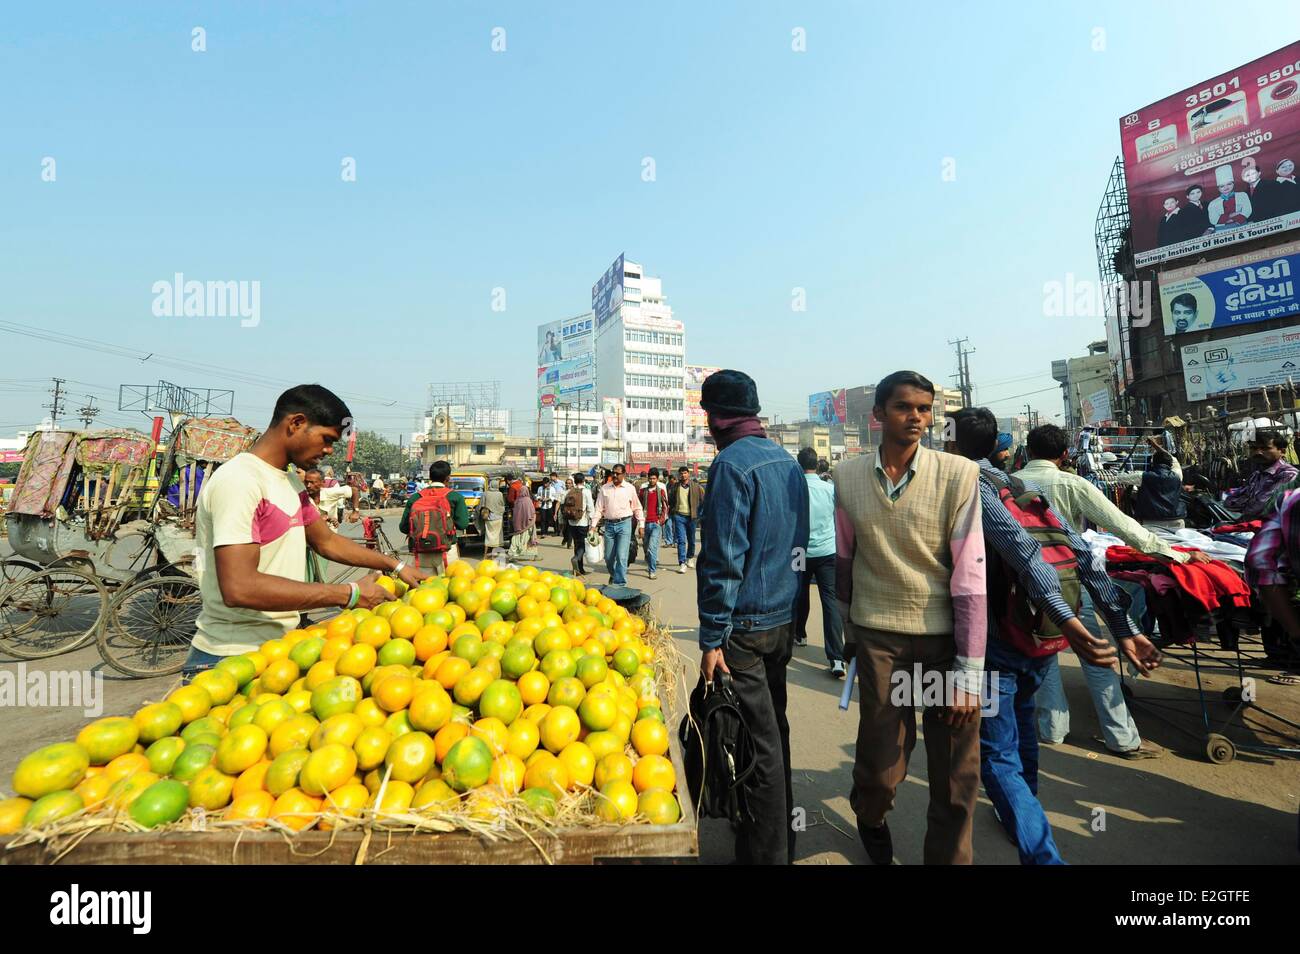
[
  {"x": 1024, "y": 558},
  {"x": 1268, "y": 560}
]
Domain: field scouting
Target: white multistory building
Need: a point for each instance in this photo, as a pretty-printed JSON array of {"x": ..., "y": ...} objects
[
  {"x": 572, "y": 438},
  {"x": 641, "y": 361}
]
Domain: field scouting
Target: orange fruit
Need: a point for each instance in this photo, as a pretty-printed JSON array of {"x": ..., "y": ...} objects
[
  {"x": 533, "y": 687},
  {"x": 654, "y": 771},
  {"x": 615, "y": 767},
  {"x": 369, "y": 712},
  {"x": 451, "y": 671},
  {"x": 319, "y": 674},
  {"x": 92, "y": 790},
  {"x": 410, "y": 756},
  {"x": 252, "y": 808},
  {"x": 659, "y": 806},
  {"x": 549, "y": 774},
  {"x": 430, "y": 710},
  {"x": 328, "y": 768},
  {"x": 429, "y": 641},
  {"x": 347, "y": 799},
  {"x": 373, "y": 631},
  {"x": 296, "y": 809},
  {"x": 447, "y": 736},
  {"x": 649, "y": 737},
  {"x": 536, "y": 713},
  {"x": 335, "y": 647},
  {"x": 394, "y": 692},
  {"x": 397, "y": 797},
  {"x": 194, "y": 702},
  {"x": 579, "y": 762},
  {"x": 279, "y": 675},
  {"x": 507, "y": 773},
  {"x": 617, "y": 802},
  {"x": 252, "y": 779},
  {"x": 344, "y": 625},
  {"x": 341, "y": 729},
  {"x": 405, "y": 622},
  {"x": 371, "y": 746},
  {"x": 494, "y": 733},
  {"x": 524, "y": 738},
  {"x": 558, "y": 728},
  {"x": 426, "y": 599},
  {"x": 126, "y": 765},
  {"x": 357, "y": 660}
]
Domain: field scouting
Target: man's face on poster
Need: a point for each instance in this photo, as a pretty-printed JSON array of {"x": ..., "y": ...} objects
[
  {"x": 1250, "y": 175},
  {"x": 1226, "y": 187},
  {"x": 1183, "y": 317}
]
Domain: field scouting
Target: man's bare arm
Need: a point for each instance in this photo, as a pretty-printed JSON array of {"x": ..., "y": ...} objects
[{"x": 244, "y": 586}]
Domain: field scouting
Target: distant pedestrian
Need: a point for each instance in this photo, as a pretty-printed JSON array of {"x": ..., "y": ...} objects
[
  {"x": 579, "y": 510},
  {"x": 684, "y": 506},
  {"x": 617, "y": 506},
  {"x": 523, "y": 542},
  {"x": 819, "y": 566},
  {"x": 654, "y": 501}
]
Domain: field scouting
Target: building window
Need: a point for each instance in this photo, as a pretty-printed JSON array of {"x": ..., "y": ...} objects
[
  {"x": 441, "y": 449},
  {"x": 480, "y": 449}
]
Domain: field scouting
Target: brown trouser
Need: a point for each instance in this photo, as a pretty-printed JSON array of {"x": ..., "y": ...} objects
[{"x": 887, "y": 735}]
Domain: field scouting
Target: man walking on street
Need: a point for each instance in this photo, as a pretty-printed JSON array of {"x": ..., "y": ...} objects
[
  {"x": 579, "y": 511},
  {"x": 1018, "y": 652},
  {"x": 819, "y": 566},
  {"x": 1076, "y": 500},
  {"x": 757, "y": 522},
  {"x": 670, "y": 484},
  {"x": 617, "y": 505},
  {"x": 910, "y": 577},
  {"x": 654, "y": 500},
  {"x": 684, "y": 505},
  {"x": 491, "y": 513}
]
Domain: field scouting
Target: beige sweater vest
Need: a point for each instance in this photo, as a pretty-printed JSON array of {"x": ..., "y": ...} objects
[{"x": 902, "y": 566}]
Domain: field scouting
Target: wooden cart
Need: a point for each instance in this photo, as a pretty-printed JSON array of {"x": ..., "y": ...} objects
[{"x": 604, "y": 844}]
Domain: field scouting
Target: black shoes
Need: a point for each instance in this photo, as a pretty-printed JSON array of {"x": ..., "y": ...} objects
[{"x": 877, "y": 841}]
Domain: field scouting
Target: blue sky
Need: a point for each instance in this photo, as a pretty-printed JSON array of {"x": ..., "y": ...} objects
[{"x": 522, "y": 170}]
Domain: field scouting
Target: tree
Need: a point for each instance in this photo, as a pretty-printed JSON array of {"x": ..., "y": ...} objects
[
  {"x": 10, "y": 469},
  {"x": 375, "y": 454}
]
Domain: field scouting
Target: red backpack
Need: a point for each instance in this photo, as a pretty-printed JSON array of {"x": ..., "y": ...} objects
[
  {"x": 1019, "y": 622},
  {"x": 432, "y": 527}
]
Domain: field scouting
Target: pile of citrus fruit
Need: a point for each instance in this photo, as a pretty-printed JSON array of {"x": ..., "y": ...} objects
[{"x": 478, "y": 688}]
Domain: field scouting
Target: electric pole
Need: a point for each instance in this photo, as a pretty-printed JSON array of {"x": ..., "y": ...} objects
[
  {"x": 88, "y": 412},
  {"x": 963, "y": 371},
  {"x": 56, "y": 405}
]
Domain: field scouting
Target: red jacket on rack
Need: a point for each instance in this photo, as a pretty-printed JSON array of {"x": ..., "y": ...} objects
[{"x": 1210, "y": 584}]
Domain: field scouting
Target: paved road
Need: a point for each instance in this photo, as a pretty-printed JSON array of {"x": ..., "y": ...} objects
[{"x": 1179, "y": 809}]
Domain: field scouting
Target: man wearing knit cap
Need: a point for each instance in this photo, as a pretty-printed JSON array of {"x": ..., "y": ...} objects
[
  {"x": 910, "y": 577},
  {"x": 756, "y": 525}
]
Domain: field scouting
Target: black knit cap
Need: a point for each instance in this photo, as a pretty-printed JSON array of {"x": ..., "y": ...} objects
[{"x": 729, "y": 392}]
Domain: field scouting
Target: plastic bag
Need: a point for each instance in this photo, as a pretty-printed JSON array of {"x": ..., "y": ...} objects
[{"x": 593, "y": 553}]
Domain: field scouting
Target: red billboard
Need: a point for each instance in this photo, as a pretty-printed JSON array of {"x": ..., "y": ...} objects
[{"x": 1215, "y": 164}]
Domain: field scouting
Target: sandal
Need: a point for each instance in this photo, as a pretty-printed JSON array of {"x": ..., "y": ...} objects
[{"x": 1285, "y": 679}]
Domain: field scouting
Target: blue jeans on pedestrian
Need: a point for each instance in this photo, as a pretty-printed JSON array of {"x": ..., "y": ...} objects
[
  {"x": 618, "y": 538},
  {"x": 652, "y": 531},
  {"x": 196, "y": 662},
  {"x": 1118, "y": 729},
  {"x": 1009, "y": 752},
  {"x": 669, "y": 538},
  {"x": 684, "y": 532}
]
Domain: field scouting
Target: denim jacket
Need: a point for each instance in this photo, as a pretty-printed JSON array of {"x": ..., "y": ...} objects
[{"x": 754, "y": 529}]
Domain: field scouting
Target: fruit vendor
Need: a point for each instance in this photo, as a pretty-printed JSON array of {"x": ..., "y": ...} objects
[{"x": 255, "y": 521}]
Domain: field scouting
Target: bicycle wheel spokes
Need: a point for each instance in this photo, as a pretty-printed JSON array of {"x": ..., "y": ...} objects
[
  {"x": 150, "y": 626},
  {"x": 50, "y": 612}
]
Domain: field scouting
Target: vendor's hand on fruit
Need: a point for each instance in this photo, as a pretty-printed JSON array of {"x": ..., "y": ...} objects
[
  {"x": 710, "y": 660},
  {"x": 371, "y": 594},
  {"x": 1141, "y": 652},
  {"x": 411, "y": 575},
  {"x": 1091, "y": 649}
]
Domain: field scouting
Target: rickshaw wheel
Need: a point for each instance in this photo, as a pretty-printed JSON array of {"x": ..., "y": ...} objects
[
  {"x": 51, "y": 611},
  {"x": 149, "y": 625}
]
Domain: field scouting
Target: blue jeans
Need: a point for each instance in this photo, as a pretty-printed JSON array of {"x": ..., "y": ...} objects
[
  {"x": 668, "y": 532},
  {"x": 652, "y": 531},
  {"x": 684, "y": 532},
  {"x": 1009, "y": 752},
  {"x": 618, "y": 538},
  {"x": 1118, "y": 729},
  {"x": 196, "y": 662}
]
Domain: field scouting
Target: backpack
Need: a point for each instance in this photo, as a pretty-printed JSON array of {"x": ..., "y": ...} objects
[
  {"x": 572, "y": 507},
  {"x": 717, "y": 751},
  {"x": 1019, "y": 622},
  {"x": 432, "y": 526}
]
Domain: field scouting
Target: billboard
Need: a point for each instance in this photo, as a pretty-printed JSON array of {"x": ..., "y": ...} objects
[
  {"x": 1215, "y": 164},
  {"x": 568, "y": 379},
  {"x": 612, "y": 419},
  {"x": 1246, "y": 288},
  {"x": 1096, "y": 407},
  {"x": 697, "y": 422},
  {"x": 828, "y": 407},
  {"x": 559, "y": 340},
  {"x": 1243, "y": 363},
  {"x": 607, "y": 294}
]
